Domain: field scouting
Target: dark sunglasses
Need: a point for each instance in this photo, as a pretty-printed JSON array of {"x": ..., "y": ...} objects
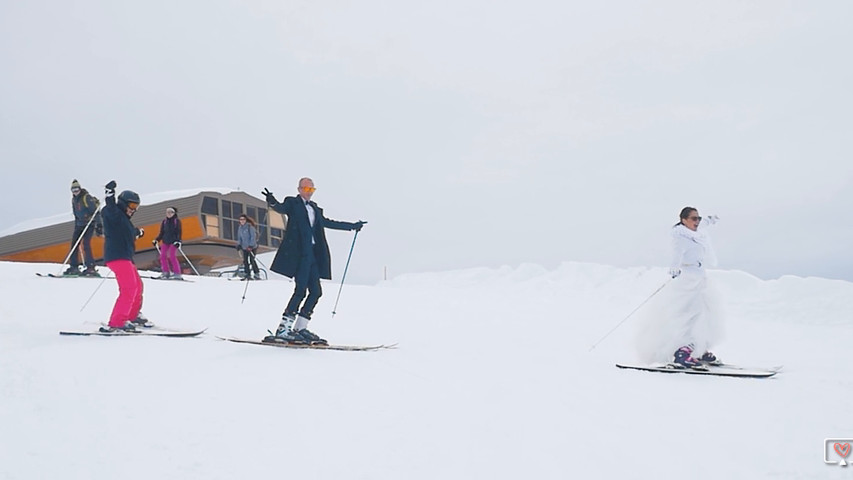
[{"x": 695, "y": 219}]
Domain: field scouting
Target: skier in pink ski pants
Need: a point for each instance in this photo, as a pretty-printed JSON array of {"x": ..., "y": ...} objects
[{"x": 119, "y": 245}]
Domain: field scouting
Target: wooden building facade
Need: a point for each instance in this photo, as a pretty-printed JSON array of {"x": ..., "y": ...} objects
[{"x": 209, "y": 222}]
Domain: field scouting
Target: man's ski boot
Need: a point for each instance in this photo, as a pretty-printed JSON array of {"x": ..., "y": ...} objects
[
  {"x": 683, "y": 358},
  {"x": 285, "y": 333},
  {"x": 177, "y": 276},
  {"x": 310, "y": 337},
  {"x": 90, "y": 272},
  {"x": 72, "y": 272},
  {"x": 164, "y": 276}
]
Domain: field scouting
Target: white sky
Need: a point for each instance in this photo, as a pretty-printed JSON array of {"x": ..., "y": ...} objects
[{"x": 468, "y": 133}]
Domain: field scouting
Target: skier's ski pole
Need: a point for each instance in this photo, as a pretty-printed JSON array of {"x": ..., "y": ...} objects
[
  {"x": 77, "y": 243},
  {"x": 258, "y": 260},
  {"x": 188, "y": 261},
  {"x": 248, "y": 276},
  {"x": 93, "y": 293},
  {"x": 344, "y": 277},
  {"x": 629, "y": 315}
]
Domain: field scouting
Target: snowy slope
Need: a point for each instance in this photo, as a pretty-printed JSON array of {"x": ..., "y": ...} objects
[{"x": 493, "y": 378}]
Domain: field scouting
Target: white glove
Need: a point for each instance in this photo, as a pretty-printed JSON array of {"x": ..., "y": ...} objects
[
  {"x": 140, "y": 233},
  {"x": 674, "y": 272},
  {"x": 712, "y": 219}
]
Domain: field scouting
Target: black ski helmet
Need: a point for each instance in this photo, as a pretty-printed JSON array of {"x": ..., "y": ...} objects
[{"x": 127, "y": 197}]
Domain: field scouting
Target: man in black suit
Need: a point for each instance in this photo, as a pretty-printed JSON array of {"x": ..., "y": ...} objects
[{"x": 303, "y": 256}]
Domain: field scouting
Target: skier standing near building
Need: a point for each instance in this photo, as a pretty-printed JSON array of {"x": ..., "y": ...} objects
[
  {"x": 84, "y": 207},
  {"x": 247, "y": 243},
  {"x": 119, "y": 246},
  {"x": 685, "y": 321},
  {"x": 304, "y": 256},
  {"x": 170, "y": 235}
]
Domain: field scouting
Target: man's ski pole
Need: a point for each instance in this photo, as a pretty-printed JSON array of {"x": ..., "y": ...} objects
[
  {"x": 344, "y": 277},
  {"x": 629, "y": 315},
  {"x": 77, "y": 243}
]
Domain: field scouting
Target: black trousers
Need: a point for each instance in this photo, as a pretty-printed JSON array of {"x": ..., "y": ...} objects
[
  {"x": 87, "y": 246},
  {"x": 307, "y": 279},
  {"x": 247, "y": 258}
]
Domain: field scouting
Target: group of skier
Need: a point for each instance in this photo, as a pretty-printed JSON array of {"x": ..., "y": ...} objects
[
  {"x": 680, "y": 326},
  {"x": 303, "y": 254}
]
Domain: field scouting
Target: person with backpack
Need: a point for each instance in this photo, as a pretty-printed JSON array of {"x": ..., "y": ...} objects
[
  {"x": 247, "y": 244},
  {"x": 87, "y": 221}
]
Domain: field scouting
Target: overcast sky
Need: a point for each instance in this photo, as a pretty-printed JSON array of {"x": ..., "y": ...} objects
[{"x": 467, "y": 133}]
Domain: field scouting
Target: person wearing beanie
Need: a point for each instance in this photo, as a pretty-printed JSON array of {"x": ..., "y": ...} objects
[
  {"x": 170, "y": 235},
  {"x": 87, "y": 220}
]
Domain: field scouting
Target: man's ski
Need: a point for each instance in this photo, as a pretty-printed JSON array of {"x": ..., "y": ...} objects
[
  {"x": 347, "y": 348},
  {"x": 719, "y": 370},
  {"x": 138, "y": 333}
]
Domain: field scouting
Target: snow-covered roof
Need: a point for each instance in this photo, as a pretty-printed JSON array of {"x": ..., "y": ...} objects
[{"x": 147, "y": 199}]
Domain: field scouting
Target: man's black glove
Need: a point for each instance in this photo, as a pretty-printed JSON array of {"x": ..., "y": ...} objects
[
  {"x": 177, "y": 244},
  {"x": 154, "y": 242},
  {"x": 237, "y": 247},
  {"x": 140, "y": 233},
  {"x": 110, "y": 188},
  {"x": 357, "y": 225},
  {"x": 99, "y": 229},
  {"x": 269, "y": 196}
]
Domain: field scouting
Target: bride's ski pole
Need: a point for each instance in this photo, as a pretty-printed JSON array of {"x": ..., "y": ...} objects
[{"x": 629, "y": 315}]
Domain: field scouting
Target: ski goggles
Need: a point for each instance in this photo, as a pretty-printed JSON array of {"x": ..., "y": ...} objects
[
  {"x": 308, "y": 189},
  {"x": 132, "y": 205}
]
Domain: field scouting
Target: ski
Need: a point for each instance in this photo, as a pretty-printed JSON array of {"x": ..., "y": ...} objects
[
  {"x": 718, "y": 370},
  {"x": 167, "y": 279},
  {"x": 139, "y": 333},
  {"x": 51, "y": 275},
  {"x": 347, "y": 348}
]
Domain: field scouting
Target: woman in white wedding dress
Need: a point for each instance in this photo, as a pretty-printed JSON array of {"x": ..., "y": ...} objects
[{"x": 685, "y": 320}]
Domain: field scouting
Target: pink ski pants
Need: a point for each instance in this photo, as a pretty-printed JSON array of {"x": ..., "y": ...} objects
[{"x": 129, "y": 300}]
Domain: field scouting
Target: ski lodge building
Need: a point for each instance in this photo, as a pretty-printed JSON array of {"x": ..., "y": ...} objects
[{"x": 208, "y": 221}]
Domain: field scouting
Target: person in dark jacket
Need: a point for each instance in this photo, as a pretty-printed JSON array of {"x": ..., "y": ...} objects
[
  {"x": 86, "y": 221},
  {"x": 119, "y": 246},
  {"x": 170, "y": 235},
  {"x": 303, "y": 256},
  {"x": 247, "y": 243}
]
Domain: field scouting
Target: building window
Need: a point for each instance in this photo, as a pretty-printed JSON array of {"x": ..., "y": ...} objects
[
  {"x": 226, "y": 209},
  {"x": 228, "y": 229},
  {"x": 210, "y": 206},
  {"x": 211, "y": 225}
]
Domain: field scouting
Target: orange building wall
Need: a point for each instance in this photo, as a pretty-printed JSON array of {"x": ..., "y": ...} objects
[{"x": 191, "y": 229}]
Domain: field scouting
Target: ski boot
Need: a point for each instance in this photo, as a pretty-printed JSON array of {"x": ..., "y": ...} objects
[
  {"x": 682, "y": 357},
  {"x": 163, "y": 276},
  {"x": 177, "y": 276},
  {"x": 90, "y": 272},
  {"x": 284, "y": 333},
  {"x": 709, "y": 358},
  {"x": 141, "y": 321},
  {"x": 310, "y": 337},
  {"x": 72, "y": 272},
  {"x": 128, "y": 327}
]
